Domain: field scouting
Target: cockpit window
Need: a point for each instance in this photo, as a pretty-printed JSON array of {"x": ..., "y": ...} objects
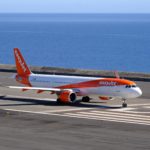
[
  {"x": 130, "y": 86},
  {"x": 133, "y": 85},
  {"x": 127, "y": 86}
]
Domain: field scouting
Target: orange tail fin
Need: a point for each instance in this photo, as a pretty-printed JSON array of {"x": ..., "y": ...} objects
[{"x": 21, "y": 66}]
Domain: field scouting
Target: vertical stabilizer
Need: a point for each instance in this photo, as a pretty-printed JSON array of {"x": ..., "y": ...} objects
[{"x": 21, "y": 66}]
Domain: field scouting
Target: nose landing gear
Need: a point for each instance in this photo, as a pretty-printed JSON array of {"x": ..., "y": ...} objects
[{"x": 124, "y": 104}]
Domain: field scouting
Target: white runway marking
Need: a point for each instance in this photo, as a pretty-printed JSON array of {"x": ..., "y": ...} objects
[
  {"x": 96, "y": 115},
  {"x": 134, "y": 109},
  {"x": 147, "y": 107},
  {"x": 66, "y": 110},
  {"x": 122, "y": 109},
  {"x": 108, "y": 118},
  {"x": 119, "y": 114},
  {"x": 135, "y": 113}
]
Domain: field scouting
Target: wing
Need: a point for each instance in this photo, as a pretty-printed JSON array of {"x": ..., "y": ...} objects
[
  {"x": 66, "y": 95},
  {"x": 39, "y": 89}
]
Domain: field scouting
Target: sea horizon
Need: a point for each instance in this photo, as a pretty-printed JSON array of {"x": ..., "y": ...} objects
[{"x": 83, "y": 41}]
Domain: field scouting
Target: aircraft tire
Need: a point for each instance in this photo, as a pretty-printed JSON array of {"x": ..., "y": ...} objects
[
  {"x": 59, "y": 101},
  {"x": 124, "y": 105},
  {"x": 85, "y": 99}
]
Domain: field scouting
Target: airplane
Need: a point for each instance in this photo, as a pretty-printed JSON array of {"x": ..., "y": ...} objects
[{"x": 68, "y": 88}]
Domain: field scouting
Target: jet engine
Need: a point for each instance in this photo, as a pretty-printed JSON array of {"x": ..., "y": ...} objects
[{"x": 67, "y": 96}]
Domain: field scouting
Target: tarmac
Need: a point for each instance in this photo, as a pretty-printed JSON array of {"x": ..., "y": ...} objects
[{"x": 36, "y": 122}]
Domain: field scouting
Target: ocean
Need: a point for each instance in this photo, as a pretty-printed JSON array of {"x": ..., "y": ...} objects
[{"x": 85, "y": 41}]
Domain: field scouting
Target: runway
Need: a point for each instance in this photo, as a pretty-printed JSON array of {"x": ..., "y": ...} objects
[
  {"x": 134, "y": 114},
  {"x": 32, "y": 121}
]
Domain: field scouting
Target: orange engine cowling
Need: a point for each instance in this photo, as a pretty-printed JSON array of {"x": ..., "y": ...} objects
[
  {"x": 105, "y": 98},
  {"x": 67, "y": 96}
]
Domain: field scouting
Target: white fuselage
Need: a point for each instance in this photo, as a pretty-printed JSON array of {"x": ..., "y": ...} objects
[{"x": 50, "y": 81}]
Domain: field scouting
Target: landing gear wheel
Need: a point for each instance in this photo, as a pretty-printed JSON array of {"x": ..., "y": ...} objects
[
  {"x": 59, "y": 101},
  {"x": 85, "y": 99},
  {"x": 124, "y": 104}
]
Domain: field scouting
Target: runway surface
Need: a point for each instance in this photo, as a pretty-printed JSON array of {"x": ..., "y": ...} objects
[{"x": 35, "y": 121}]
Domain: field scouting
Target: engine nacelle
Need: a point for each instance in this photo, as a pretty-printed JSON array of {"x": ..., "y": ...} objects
[{"x": 67, "y": 96}]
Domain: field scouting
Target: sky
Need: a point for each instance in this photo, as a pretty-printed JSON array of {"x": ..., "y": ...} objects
[{"x": 74, "y": 6}]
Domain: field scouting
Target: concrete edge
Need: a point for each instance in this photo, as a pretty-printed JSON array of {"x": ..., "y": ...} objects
[{"x": 79, "y": 72}]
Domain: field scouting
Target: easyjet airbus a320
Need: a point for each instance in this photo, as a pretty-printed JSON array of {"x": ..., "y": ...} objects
[{"x": 67, "y": 88}]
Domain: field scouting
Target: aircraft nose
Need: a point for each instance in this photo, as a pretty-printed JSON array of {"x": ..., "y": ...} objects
[
  {"x": 138, "y": 92},
  {"x": 133, "y": 92}
]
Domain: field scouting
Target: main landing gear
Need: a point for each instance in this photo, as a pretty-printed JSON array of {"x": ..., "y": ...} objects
[
  {"x": 124, "y": 104},
  {"x": 59, "y": 101},
  {"x": 85, "y": 99}
]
